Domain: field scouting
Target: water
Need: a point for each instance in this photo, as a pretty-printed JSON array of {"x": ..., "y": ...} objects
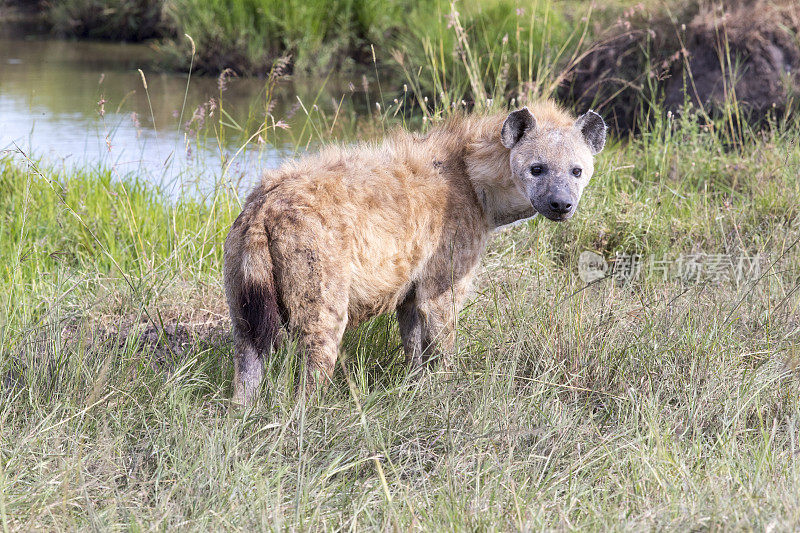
[{"x": 84, "y": 104}]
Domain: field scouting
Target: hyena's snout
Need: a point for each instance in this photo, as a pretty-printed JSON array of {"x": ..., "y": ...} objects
[
  {"x": 560, "y": 204},
  {"x": 556, "y": 205}
]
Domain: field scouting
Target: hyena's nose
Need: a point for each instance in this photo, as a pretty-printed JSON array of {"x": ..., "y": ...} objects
[{"x": 560, "y": 204}]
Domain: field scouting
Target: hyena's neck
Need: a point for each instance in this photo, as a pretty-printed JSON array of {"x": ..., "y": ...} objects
[{"x": 489, "y": 171}]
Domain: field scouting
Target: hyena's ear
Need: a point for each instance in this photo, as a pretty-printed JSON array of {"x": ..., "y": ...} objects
[
  {"x": 593, "y": 129},
  {"x": 515, "y": 126}
]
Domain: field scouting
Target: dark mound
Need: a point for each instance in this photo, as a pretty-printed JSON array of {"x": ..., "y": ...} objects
[
  {"x": 745, "y": 52},
  {"x": 750, "y": 52}
]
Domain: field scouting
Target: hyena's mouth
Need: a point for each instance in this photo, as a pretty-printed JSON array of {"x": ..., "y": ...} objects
[{"x": 558, "y": 217}]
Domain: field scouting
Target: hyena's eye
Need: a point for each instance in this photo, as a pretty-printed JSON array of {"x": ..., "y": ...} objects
[
  {"x": 536, "y": 170},
  {"x": 576, "y": 172}
]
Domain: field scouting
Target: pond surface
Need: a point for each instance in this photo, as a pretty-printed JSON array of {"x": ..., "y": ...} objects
[{"x": 85, "y": 104}]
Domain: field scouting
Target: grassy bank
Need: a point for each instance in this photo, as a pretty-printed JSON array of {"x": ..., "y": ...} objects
[
  {"x": 250, "y": 35},
  {"x": 668, "y": 402}
]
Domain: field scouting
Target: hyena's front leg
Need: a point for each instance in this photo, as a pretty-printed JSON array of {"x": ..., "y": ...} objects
[
  {"x": 438, "y": 306},
  {"x": 438, "y": 317},
  {"x": 411, "y": 330}
]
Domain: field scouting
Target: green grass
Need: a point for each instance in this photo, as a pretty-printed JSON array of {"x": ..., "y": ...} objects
[
  {"x": 661, "y": 404},
  {"x": 249, "y": 35}
]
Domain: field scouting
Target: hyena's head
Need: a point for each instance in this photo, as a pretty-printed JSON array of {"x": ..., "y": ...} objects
[{"x": 553, "y": 164}]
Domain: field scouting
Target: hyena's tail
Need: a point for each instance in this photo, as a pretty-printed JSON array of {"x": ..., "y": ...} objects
[{"x": 250, "y": 285}]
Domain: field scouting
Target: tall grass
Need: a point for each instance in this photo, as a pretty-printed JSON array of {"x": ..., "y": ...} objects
[
  {"x": 483, "y": 51},
  {"x": 248, "y": 35},
  {"x": 658, "y": 404}
]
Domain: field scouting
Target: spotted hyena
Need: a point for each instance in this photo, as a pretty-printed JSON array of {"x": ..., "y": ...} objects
[{"x": 328, "y": 241}]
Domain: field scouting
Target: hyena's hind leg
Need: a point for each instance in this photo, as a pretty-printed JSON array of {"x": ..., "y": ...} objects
[
  {"x": 317, "y": 306},
  {"x": 319, "y": 340},
  {"x": 248, "y": 372}
]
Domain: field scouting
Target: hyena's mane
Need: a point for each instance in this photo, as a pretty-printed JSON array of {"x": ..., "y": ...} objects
[{"x": 474, "y": 138}]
